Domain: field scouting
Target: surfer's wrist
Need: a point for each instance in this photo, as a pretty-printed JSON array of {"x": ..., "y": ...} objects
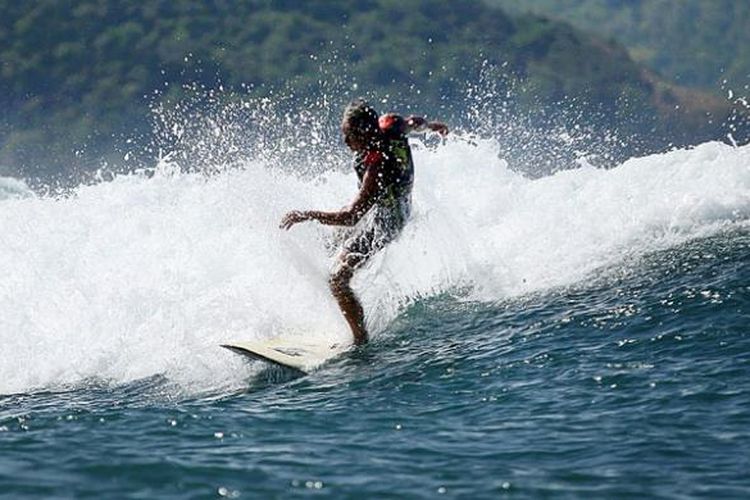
[{"x": 438, "y": 127}]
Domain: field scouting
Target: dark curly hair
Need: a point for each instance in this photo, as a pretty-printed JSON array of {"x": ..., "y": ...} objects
[{"x": 360, "y": 116}]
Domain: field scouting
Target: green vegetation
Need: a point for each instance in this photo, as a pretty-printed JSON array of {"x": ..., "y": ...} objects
[
  {"x": 77, "y": 77},
  {"x": 697, "y": 43}
]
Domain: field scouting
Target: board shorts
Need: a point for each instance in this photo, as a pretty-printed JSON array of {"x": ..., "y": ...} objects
[{"x": 381, "y": 225}]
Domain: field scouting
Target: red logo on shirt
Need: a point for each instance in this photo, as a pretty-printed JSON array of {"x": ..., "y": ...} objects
[{"x": 373, "y": 158}]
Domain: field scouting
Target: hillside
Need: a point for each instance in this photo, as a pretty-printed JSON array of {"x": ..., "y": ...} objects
[
  {"x": 78, "y": 77},
  {"x": 694, "y": 42}
]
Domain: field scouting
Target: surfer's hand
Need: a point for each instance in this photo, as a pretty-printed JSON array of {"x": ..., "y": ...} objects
[
  {"x": 439, "y": 127},
  {"x": 293, "y": 218}
]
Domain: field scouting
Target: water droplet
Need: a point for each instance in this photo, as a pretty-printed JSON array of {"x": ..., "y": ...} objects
[{"x": 226, "y": 492}]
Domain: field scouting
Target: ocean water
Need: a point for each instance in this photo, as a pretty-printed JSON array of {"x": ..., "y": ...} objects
[{"x": 579, "y": 334}]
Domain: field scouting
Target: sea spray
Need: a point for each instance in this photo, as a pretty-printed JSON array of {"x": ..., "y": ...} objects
[{"x": 12, "y": 188}]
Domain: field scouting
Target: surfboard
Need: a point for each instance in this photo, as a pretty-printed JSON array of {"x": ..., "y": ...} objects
[{"x": 301, "y": 357}]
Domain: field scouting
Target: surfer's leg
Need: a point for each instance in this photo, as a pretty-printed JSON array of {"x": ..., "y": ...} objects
[
  {"x": 383, "y": 226},
  {"x": 348, "y": 302}
]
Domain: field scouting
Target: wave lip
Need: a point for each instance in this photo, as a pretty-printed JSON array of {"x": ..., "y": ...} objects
[{"x": 12, "y": 188}]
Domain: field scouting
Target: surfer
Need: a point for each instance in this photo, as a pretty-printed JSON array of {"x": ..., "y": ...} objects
[{"x": 385, "y": 171}]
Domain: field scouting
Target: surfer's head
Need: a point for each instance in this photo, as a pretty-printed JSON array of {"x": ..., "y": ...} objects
[{"x": 360, "y": 125}]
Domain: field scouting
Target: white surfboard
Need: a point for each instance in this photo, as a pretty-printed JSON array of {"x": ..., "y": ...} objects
[{"x": 290, "y": 354}]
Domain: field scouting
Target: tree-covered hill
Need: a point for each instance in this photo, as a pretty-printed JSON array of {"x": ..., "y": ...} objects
[
  {"x": 77, "y": 76},
  {"x": 698, "y": 43}
]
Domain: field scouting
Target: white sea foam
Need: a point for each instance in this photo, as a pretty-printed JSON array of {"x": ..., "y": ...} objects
[
  {"x": 143, "y": 276},
  {"x": 14, "y": 188}
]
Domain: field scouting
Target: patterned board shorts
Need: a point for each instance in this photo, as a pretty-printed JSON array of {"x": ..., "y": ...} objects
[{"x": 380, "y": 226}]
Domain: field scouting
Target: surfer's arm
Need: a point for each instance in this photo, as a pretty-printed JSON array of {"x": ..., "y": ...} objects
[
  {"x": 420, "y": 124},
  {"x": 350, "y": 215}
]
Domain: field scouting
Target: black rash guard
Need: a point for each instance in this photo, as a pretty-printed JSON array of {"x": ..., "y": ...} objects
[
  {"x": 395, "y": 161},
  {"x": 385, "y": 220}
]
